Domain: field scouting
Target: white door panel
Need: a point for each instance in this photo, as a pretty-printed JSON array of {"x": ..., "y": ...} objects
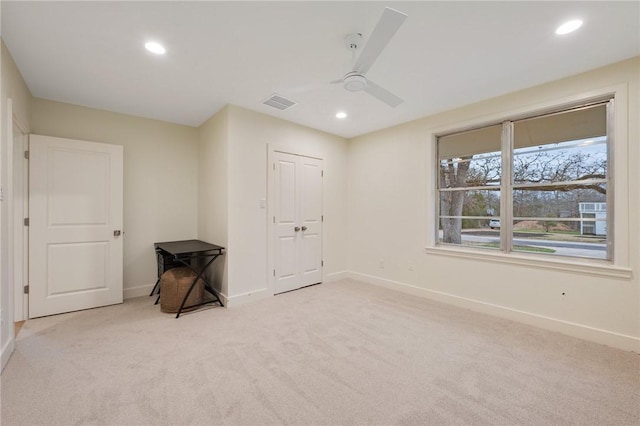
[
  {"x": 286, "y": 210},
  {"x": 75, "y": 260},
  {"x": 89, "y": 271},
  {"x": 311, "y": 190},
  {"x": 80, "y": 181},
  {"x": 311, "y": 219},
  {"x": 286, "y": 192},
  {"x": 297, "y": 187}
]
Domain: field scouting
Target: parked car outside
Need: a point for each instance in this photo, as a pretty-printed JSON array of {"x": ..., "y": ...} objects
[{"x": 494, "y": 223}]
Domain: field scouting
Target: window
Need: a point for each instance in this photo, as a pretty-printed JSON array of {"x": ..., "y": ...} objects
[{"x": 538, "y": 185}]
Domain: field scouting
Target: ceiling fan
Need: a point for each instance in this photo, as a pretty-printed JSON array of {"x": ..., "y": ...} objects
[{"x": 356, "y": 79}]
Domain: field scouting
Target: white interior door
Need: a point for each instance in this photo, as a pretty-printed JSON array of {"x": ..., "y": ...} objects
[
  {"x": 75, "y": 204},
  {"x": 297, "y": 192}
]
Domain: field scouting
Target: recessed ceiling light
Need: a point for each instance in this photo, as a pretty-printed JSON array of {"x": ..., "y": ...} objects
[
  {"x": 569, "y": 26},
  {"x": 341, "y": 114},
  {"x": 154, "y": 47}
]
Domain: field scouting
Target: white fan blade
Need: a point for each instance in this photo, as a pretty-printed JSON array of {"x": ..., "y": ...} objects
[
  {"x": 382, "y": 94},
  {"x": 387, "y": 26}
]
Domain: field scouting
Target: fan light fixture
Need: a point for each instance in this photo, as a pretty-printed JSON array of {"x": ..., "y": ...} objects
[
  {"x": 569, "y": 27},
  {"x": 154, "y": 47},
  {"x": 354, "y": 82},
  {"x": 341, "y": 115}
]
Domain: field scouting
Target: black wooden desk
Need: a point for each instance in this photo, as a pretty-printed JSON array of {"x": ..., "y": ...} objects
[{"x": 194, "y": 254}]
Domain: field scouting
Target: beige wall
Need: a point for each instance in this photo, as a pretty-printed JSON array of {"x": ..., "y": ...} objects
[
  {"x": 389, "y": 209},
  {"x": 12, "y": 87},
  {"x": 213, "y": 190},
  {"x": 160, "y": 177},
  {"x": 250, "y": 136}
]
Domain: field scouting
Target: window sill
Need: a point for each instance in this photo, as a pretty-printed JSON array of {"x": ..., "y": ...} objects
[{"x": 583, "y": 266}]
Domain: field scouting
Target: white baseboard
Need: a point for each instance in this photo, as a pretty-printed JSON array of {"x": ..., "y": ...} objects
[
  {"x": 605, "y": 337},
  {"x": 141, "y": 290},
  {"x": 224, "y": 298},
  {"x": 7, "y": 350},
  {"x": 336, "y": 276},
  {"x": 242, "y": 299}
]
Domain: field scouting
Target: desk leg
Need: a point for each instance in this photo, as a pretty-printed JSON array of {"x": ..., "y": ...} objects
[
  {"x": 155, "y": 287},
  {"x": 199, "y": 276}
]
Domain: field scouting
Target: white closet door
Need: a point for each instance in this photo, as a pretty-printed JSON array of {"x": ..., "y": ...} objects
[
  {"x": 310, "y": 219},
  {"x": 75, "y": 241},
  {"x": 297, "y": 190}
]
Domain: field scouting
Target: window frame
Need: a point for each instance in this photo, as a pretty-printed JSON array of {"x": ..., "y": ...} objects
[{"x": 617, "y": 263}]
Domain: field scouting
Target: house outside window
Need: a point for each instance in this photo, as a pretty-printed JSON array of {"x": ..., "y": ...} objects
[
  {"x": 538, "y": 185},
  {"x": 589, "y": 212}
]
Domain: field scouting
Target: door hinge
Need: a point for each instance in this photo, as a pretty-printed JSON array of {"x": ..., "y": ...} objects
[
  {"x": 322, "y": 173},
  {"x": 322, "y": 218},
  {"x": 274, "y": 272},
  {"x": 322, "y": 263},
  {"x": 26, "y": 289},
  {"x": 274, "y": 219},
  {"x": 274, "y": 166},
  {"x": 26, "y": 155},
  {"x": 26, "y": 221}
]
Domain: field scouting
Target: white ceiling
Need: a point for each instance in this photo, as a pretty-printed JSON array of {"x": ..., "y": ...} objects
[{"x": 447, "y": 54}]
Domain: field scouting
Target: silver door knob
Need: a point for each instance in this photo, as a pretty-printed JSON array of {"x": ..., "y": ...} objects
[
  {"x": 304, "y": 228},
  {"x": 297, "y": 228}
]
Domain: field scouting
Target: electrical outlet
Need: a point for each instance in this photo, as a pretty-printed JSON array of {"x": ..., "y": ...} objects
[{"x": 381, "y": 263}]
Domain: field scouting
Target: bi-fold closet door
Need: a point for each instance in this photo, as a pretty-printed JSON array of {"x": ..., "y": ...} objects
[{"x": 297, "y": 219}]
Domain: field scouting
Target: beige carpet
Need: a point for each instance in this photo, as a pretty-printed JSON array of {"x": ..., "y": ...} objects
[{"x": 333, "y": 354}]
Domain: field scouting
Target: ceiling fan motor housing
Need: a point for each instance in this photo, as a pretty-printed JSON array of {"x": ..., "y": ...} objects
[{"x": 354, "y": 82}]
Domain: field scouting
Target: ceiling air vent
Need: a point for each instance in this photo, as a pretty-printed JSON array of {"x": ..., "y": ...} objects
[{"x": 279, "y": 102}]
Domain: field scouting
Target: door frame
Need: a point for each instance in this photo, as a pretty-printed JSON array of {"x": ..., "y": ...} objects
[
  {"x": 20, "y": 243},
  {"x": 272, "y": 148}
]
